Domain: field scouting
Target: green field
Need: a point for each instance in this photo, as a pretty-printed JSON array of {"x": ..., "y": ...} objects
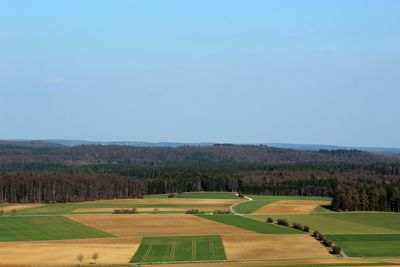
[
  {"x": 180, "y": 248},
  {"x": 345, "y": 223},
  {"x": 258, "y": 201},
  {"x": 16, "y": 228},
  {"x": 64, "y": 209},
  {"x": 250, "y": 224},
  {"x": 368, "y": 245}
]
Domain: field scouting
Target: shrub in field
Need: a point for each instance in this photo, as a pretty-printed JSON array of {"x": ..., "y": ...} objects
[
  {"x": 172, "y": 195},
  {"x": 297, "y": 226},
  {"x": 327, "y": 243},
  {"x": 283, "y": 222},
  {"x": 317, "y": 235},
  {"x": 240, "y": 195},
  {"x": 80, "y": 258},
  {"x": 194, "y": 211},
  {"x": 126, "y": 211},
  {"x": 221, "y": 211},
  {"x": 336, "y": 250},
  {"x": 95, "y": 256},
  {"x": 270, "y": 220},
  {"x": 306, "y": 228}
]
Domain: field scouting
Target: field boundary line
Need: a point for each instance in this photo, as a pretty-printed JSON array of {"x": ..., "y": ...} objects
[
  {"x": 173, "y": 248},
  {"x": 212, "y": 250},
  {"x": 193, "y": 250},
  {"x": 147, "y": 253}
]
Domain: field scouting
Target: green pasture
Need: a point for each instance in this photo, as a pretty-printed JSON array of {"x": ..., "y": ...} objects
[
  {"x": 344, "y": 222},
  {"x": 19, "y": 228},
  {"x": 68, "y": 208},
  {"x": 258, "y": 201},
  {"x": 380, "y": 245},
  {"x": 180, "y": 248},
  {"x": 250, "y": 224}
]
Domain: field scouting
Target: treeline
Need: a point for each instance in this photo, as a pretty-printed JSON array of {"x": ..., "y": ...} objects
[
  {"x": 162, "y": 156},
  {"x": 99, "y": 182},
  {"x": 45, "y": 187},
  {"x": 367, "y": 196}
]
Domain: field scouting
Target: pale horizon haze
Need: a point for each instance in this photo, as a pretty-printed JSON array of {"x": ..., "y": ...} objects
[{"x": 306, "y": 72}]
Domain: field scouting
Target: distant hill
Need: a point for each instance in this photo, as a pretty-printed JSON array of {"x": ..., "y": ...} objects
[
  {"x": 159, "y": 156},
  {"x": 31, "y": 143},
  {"x": 123, "y": 143},
  {"x": 378, "y": 150},
  {"x": 308, "y": 147}
]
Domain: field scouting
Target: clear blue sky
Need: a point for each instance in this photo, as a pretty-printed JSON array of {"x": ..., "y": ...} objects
[{"x": 321, "y": 72}]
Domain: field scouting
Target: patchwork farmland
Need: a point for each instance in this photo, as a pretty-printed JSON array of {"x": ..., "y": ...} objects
[{"x": 89, "y": 233}]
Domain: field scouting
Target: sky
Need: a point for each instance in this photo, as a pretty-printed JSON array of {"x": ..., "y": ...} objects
[{"x": 309, "y": 72}]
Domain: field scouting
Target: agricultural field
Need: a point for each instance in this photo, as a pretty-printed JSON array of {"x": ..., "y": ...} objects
[
  {"x": 180, "y": 248},
  {"x": 359, "y": 234},
  {"x": 55, "y": 234},
  {"x": 45, "y": 228},
  {"x": 259, "y": 202},
  {"x": 250, "y": 224},
  {"x": 369, "y": 245}
]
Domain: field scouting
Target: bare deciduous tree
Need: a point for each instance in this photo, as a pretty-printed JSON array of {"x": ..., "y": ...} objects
[
  {"x": 80, "y": 258},
  {"x": 95, "y": 256}
]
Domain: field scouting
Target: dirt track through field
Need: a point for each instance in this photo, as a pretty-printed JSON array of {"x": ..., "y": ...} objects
[
  {"x": 172, "y": 209},
  {"x": 156, "y": 225},
  {"x": 261, "y": 247},
  {"x": 291, "y": 206},
  {"x": 110, "y": 250}
]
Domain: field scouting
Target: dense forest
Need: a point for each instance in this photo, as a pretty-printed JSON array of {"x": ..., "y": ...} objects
[
  {"x": 59, "y": 174},
  {"x": 367, "y": 196}
]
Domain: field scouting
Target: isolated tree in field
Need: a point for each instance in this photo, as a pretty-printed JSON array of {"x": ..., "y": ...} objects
[
  {"x": 336, "y": 250},
  {"x": 95, "y": 256},
  {"x": 80, "y": 258},
  {"x": 270, "y": 220}
]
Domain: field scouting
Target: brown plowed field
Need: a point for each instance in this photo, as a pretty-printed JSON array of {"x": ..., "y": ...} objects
[
  {"x": 172, "y": 209},
  {"x": 110, "y": 250},
  {"x": 261, "y": 247},
  {"x": 156, "y": 225},
  {"x": 291, "y": 206}
]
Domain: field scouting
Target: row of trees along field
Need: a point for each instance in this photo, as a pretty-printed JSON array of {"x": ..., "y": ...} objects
[
  {"x": 24, "y": 183},
  {"x": 367, "y": 196}
]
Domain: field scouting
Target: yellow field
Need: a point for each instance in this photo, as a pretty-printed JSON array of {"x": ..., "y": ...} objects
[
  {"x": 261, "y": 247},
  {"x": 110, "y": 250},
  {"x": 291, "y": 206},
  {"x": 156, "y": 225}
]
